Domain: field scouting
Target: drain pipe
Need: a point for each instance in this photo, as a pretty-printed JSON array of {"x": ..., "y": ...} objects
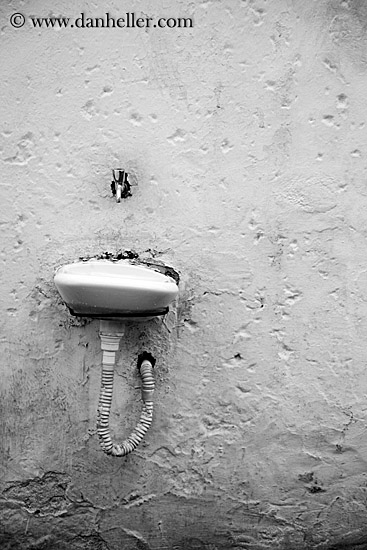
[{"x": 111, "y": 333}]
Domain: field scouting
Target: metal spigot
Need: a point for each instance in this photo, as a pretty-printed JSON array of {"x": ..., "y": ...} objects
[{"x": 120, "y": 185}]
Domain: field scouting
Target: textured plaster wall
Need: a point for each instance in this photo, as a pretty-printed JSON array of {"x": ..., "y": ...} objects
[{"x": 246, "y": 140}]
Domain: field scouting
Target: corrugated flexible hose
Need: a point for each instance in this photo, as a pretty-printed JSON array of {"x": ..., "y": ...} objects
[{"x": 104, "y": 407}]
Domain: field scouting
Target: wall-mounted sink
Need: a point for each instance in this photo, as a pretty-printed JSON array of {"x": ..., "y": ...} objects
[{"x": 108, "y": 289}]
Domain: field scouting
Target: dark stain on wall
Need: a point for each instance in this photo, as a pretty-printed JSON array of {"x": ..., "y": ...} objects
[
  {"x": 347, "y": 24},
  {"x": 40, "y": 496},
  {"x": 46, "y": 513}
]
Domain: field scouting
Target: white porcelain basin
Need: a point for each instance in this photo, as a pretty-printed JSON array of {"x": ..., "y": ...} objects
[{"x": 106, "y": 289}]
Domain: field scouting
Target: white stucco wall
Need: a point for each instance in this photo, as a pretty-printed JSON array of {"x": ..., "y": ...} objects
[{"x": 245, "y": 136}]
